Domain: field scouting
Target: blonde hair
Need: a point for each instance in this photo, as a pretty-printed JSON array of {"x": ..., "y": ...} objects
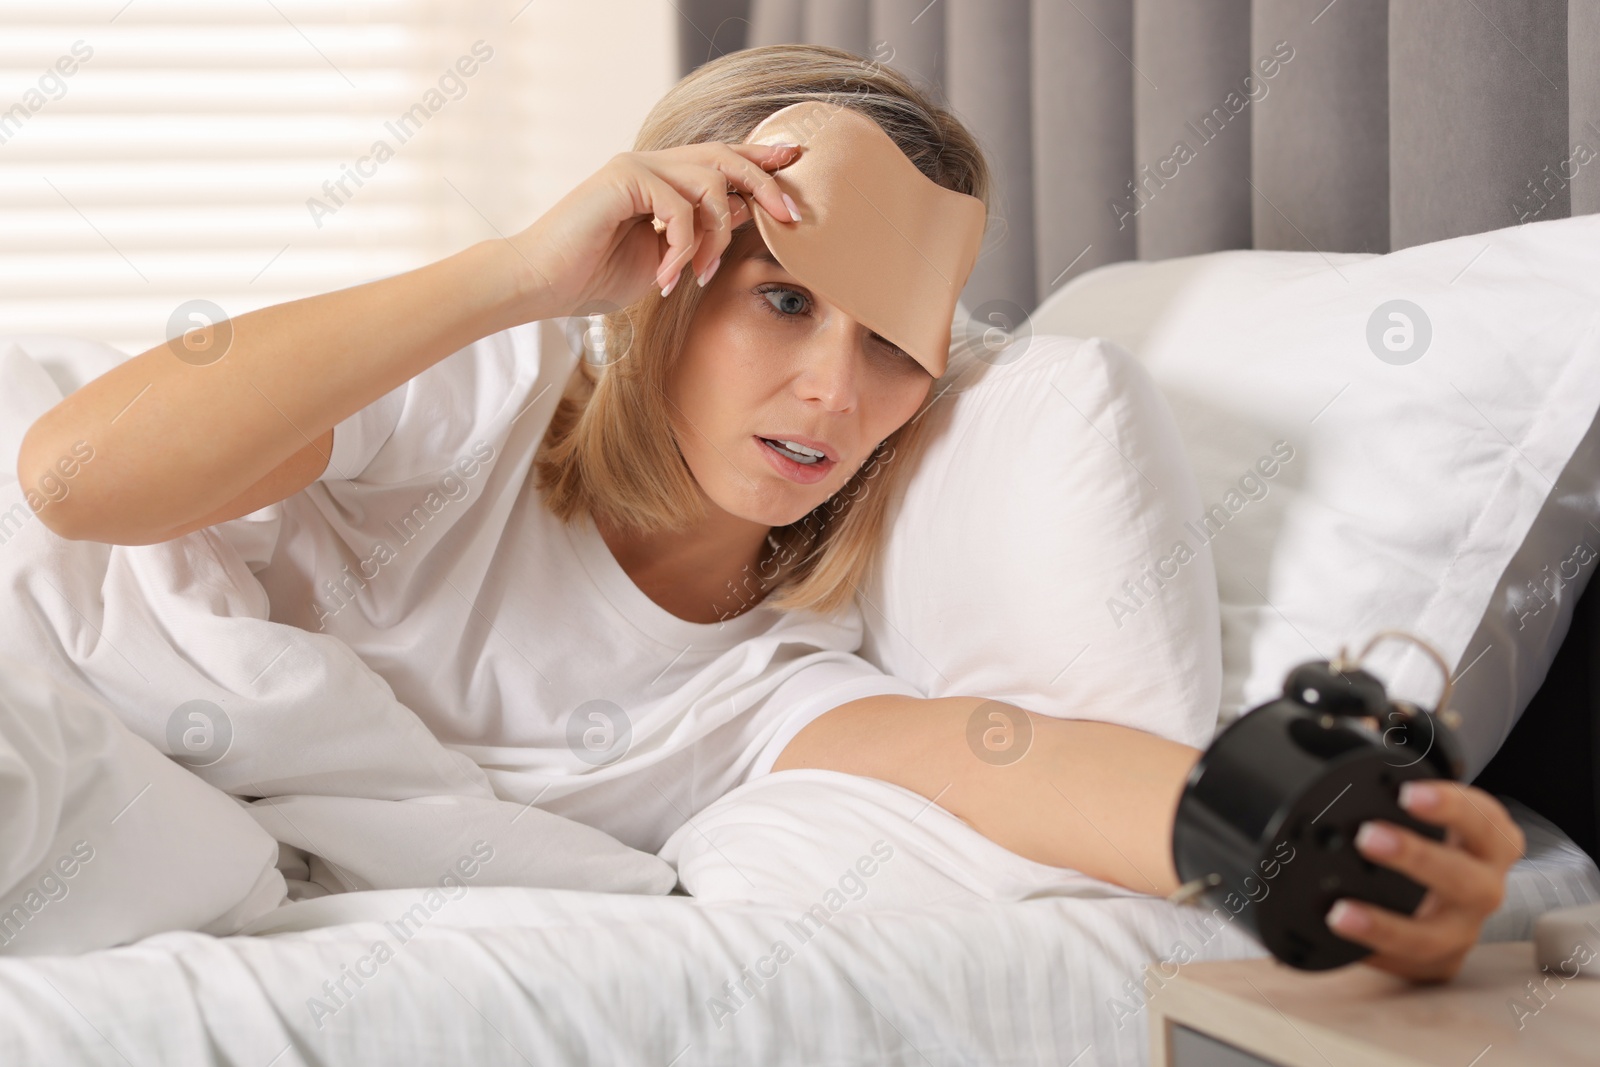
[{"x": 602, "y": 454}]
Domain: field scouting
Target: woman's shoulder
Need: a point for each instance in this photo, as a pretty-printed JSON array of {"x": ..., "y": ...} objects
[
  {"x": 466, "y": 401},
  {"x": 491, "y": 374}
]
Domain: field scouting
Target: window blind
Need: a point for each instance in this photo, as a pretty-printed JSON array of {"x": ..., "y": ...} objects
[{"x": 248, "y": 152}]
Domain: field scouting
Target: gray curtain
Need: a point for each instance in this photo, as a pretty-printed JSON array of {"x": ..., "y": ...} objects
[{"x": 1123, "y": 129}]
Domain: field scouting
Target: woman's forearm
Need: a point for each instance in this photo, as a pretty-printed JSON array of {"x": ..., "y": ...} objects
[
  {"x": 1091, "y": 796},
  {"x": 174, "y": 439}
]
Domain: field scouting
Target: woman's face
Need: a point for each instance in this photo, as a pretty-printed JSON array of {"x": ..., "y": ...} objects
[{"x": 766, "y": 357}]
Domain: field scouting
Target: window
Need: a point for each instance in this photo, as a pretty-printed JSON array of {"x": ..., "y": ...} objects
[{"x": 249, "y": 152}]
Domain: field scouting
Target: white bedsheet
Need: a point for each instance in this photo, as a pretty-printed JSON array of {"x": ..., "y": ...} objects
[
  {"x": 606, "y": 979},
  {"x": 491, "y": 976}
]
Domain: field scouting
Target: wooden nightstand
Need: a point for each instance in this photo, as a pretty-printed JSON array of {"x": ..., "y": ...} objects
[{"x": 1252, "y": 1012}]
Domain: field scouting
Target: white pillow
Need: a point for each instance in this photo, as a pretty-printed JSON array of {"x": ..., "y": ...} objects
[
  {"x": 38, "y": 370},
  {"x": 1420, "y": 492},
  {"x": 29, "y": 393},
  {"x": 795, "y": 838},
  {"x": 1053, "y": 481},
  {"x": 69, "y": 361}
]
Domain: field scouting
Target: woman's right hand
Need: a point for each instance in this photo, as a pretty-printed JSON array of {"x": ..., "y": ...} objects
[{"x": 597, "y": 249}]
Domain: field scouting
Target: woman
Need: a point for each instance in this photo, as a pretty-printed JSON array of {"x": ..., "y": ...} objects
[{"x": 675, "y": 475}]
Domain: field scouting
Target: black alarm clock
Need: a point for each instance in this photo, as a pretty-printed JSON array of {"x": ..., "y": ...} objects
[{"x": 1266, "y": 825}]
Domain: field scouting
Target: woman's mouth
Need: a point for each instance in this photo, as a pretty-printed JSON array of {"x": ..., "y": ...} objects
[{"x": 794, "y": 461}]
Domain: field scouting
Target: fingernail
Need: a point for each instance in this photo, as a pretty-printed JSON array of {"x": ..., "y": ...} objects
[
  {"x": 1378, "y": 840},
  {"x": 711, "y": 268},
  {"x": 784, "y": 145},
  {"x": 1418, "y": 796},
  {"x": 794, "y": 212},
  {"x": 1347, "y": 918},
  {"x": 670, "y": 285}
]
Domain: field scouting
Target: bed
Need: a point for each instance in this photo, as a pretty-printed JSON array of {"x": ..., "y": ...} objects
[
  {"x": 1016, "y": 966},
  {"x": 1053, "y": 972}
]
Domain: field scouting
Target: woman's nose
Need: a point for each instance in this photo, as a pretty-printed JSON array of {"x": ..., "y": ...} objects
[{"x": 832, "y": 368}]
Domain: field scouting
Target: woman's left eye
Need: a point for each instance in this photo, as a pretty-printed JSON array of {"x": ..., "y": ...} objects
[
  {"x": 894, "y": 350},
  {"x": 793, "y": 302}
]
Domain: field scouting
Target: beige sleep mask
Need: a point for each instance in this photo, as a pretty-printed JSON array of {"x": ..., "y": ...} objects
[{"x": 877, "y": 238}]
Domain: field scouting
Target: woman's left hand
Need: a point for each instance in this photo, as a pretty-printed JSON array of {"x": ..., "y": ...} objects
[{"x": 1465, "y": 876}]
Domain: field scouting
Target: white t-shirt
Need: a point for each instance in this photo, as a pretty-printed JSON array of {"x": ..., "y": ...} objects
[{"x": 520, "y": 641}]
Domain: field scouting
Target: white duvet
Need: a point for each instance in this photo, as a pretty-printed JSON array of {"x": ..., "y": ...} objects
[{"x": 167, "y": 648}]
